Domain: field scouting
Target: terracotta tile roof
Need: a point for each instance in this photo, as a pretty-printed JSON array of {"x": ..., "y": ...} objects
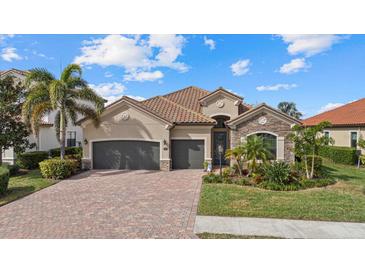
[
  {"x": 21, "y": 72},
  {"x": 188, "y": 97},
  {"x": 176, "y": 113},
  {"x": 346, "y": 115}
]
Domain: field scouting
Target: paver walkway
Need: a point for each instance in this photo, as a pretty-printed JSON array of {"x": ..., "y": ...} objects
[
  {"x": 279, "y": 228},
  {"x": 108, "y": 204}
]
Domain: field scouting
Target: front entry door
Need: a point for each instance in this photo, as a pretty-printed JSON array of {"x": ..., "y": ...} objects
[{"x": 219, "y": 138}]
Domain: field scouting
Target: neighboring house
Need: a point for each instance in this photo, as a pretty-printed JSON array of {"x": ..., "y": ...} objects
[
  {"x": 46, "y": 138},
  {"x": 180, "y": 130},
  {"x": 348, "y": 123}
]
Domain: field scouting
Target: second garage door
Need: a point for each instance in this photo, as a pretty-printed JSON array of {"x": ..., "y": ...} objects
[
  {"x": 187, "y": 154},
  {"x": 126, "y": 155}
]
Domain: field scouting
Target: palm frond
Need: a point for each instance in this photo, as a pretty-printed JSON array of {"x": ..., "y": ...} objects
[
  {"x": 71, "y": 111},
  {"x": 88, "y": 112},
  {"x": 37, "y": 95},
  {"x": 69, "y": 71},
  {"x": 38, "y": 112},
  {"x": 38, "y": 75},
  {"x": 89, "y": 95},
  {"x": 76, "y": 83}
]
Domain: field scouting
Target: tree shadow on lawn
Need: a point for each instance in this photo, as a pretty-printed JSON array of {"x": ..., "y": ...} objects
[{"x": 334, "y": 173}]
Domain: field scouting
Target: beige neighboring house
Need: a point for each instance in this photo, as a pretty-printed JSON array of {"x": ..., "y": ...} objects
[
  {"x": 180, "y": 130},
  {"x": 46, "y": 138},
  {"x": 348, "y": 123}
]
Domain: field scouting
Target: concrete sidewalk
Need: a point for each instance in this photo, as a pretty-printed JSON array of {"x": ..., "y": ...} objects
[{"x": 290, "y": 229}]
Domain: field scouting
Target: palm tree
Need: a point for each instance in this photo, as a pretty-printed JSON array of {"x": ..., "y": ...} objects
[
  {"x": 256, "y": 150},
  {"x": 70, "y": 96},
  {"x": 237, "y": 153},
  {"x": 290, "y": 108}
]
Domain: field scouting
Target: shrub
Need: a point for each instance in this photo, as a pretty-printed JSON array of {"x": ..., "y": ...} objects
[
  {"x": 4, "y": 180},
  {"x": 340, "y": 155},
  {"x": 280, "y": 187},
  {"x": 75, "y": 157},
  {"x": 57, "y": 169},
  {"x": 317, "y": 182},
  {"x": 212, "y": 178},
  {"x": 277, "y": 173},
  {"x": 13, "y": 169},
  {"x": 56, "y": 152},
  {"x": 31, "y": 160},
  {"x": 242, "y": 182}
]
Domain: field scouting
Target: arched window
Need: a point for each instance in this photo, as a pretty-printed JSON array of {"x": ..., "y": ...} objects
[
  {"x": 270, "y": 142},
  {"x": 220, "y": 121}
]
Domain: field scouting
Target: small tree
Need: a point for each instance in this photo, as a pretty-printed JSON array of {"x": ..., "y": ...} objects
[
  {"x": 290, "y": 108},
  {"x": 361, "y": 144},
  {"x": 307, "y": 142},
  {"x": 256, "y": 150},
  {"x": 238, "y": 154},
  {"x": 13, "y": 132}
]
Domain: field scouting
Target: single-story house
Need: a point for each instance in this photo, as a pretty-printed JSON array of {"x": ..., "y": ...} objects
[
  {"x": 180, "y": 130},
  {"x": 348, "y": 123},
  {"x": 46, "y": 138}
]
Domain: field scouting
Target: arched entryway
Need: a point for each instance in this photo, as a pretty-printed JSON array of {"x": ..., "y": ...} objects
[{"x": 220, "y": 137}]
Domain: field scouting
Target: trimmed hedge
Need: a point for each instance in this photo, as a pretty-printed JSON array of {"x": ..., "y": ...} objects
[
  {"x": 31, "y": 160},
  {"x": 68, "y": 151},
  {"x": 58, "y": 169},
  {"x": 294, "y": 186},
  {"x": 340, "y": 155},
  {"x": 4, "y": 179}
]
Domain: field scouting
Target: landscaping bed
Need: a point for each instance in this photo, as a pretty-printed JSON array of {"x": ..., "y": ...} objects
[{"x": 343, "y": 201}]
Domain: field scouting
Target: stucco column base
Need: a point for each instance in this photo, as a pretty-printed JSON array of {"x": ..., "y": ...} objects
[
  {"x": 165, "y": 165},
  {"x": 86, "y": 163}
]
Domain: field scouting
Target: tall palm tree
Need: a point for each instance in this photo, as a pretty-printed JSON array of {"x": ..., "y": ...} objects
[
  {"x": 256, "y": 150},
  {"x": 70, "y": 96},
  {"x": 290, "y": 108}
]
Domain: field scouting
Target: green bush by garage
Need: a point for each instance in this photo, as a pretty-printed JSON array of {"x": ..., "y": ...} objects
[
  {"x": 31, "y": 160},
  {"x": 4, "y": 179},
  {"x": 58, "y": 169},
  {"x": 56, "y": 152},
  {"x": 339, "y": 155}
]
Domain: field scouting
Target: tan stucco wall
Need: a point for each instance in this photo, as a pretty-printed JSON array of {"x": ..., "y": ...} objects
[
  {"x": 140, "y": 126},
  {"x": 342, "y": 136},
  {"x": 197, "y": 133},
  {"x": 48, "y": 140},
  {"x": 211, "y": 109}
]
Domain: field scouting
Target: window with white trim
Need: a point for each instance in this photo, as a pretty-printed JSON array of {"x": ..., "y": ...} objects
[
  {"x": 71, "y": 138},
  {"x": 353, "y": 139}
]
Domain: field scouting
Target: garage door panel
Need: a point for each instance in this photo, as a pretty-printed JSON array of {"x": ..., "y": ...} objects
[
  {"x": 187, "y": 154},
  {"x": 126, "y": 155}
]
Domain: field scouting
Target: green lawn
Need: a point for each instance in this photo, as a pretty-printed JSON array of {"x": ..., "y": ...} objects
[
  {"x": 343, "y": 201},
  {"x": 22, "y": 185},
  {"x": 206, "y": 235}
]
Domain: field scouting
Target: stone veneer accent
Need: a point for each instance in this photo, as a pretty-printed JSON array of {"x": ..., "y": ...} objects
[
  {"x": 273, "y": 124},
  {"x": 165, "y": 165},
  {"x": 86, "y": 164}
]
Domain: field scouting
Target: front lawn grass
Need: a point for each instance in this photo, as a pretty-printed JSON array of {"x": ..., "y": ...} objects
[
  {"x": 24, "y": 184},
  {"x": 343, "y": 201},
  {"x": 206, "y": 235}
]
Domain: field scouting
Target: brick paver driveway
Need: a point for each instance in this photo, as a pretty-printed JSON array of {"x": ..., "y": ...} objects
[{"x": 108, "y": 204}]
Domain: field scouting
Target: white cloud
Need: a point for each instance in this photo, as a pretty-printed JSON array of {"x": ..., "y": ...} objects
[
  {"x": 209, "y": 42},
  {"x": 294, "y": 66},
  {"x": 5, "y": 36},
  {"x": 112, "y": 91},
  {"x": 241, "y": 67},
  {"x": 309, "y": 44},
  {"x": 170, "y": 48},
  {"x": 10, "y": 54},
  {"x": 134, "y": 53},
  {"x": 330, "y": 106},
  {"x": 277, "y": 87},
  {"x": 143, "y": 76}
]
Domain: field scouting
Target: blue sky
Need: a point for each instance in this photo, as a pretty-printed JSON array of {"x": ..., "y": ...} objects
[{"x": 314, "y": 71}]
